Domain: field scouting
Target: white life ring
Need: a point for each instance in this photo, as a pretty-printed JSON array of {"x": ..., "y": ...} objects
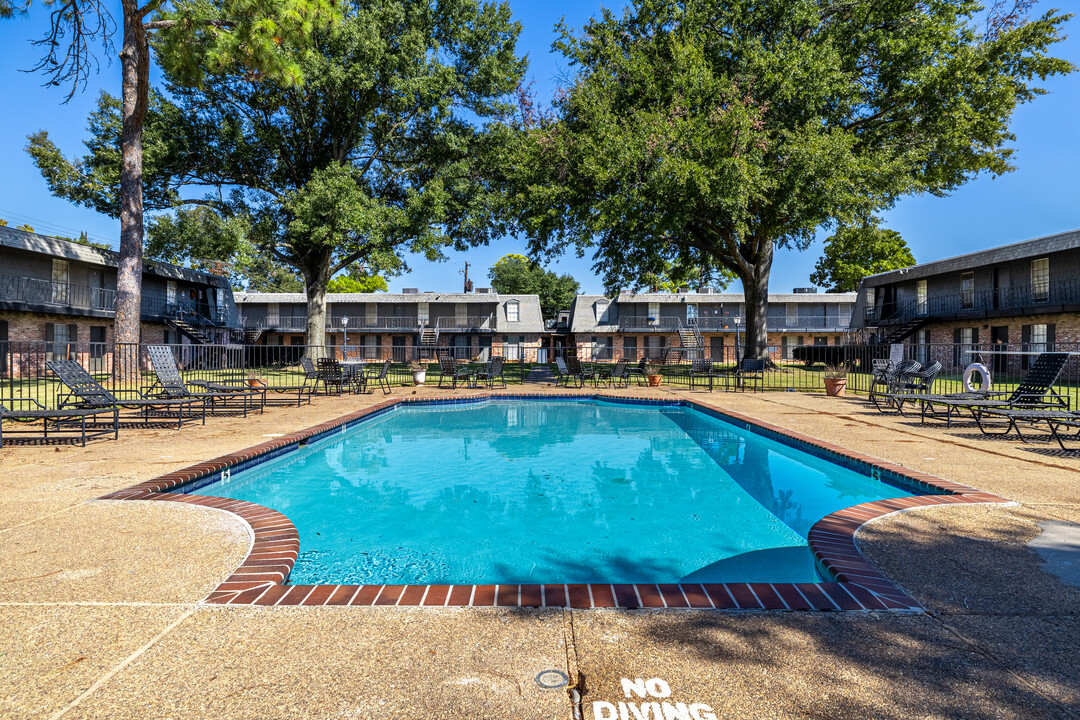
[{"x": 984, "y": 374}]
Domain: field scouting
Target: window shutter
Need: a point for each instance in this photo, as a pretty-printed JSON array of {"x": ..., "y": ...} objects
[
  {"x": 1025, "y": 340},
  {"x": 1051, "y": 336},
  {"x": 974, "y": 336},
  {"x": 50, "y": 334},
  {"x": 956, "y": 347},
  {"x": 73, "y": 334}
]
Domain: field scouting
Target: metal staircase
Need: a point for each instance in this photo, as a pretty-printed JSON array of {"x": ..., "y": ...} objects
[
  {"x": 429, "y": 336},
  {"x": 692, "y": 341}
]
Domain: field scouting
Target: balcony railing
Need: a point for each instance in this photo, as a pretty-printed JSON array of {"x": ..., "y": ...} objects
[
  {"x": 63, "y": 295},
  {"x": 641, "y": 323},
  {"x": 336, "y": 324},
  {"x": 1028, "y": 298},
  {"x": 471, "y": 323}
]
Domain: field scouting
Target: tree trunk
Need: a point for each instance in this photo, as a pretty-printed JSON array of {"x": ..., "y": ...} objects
[
  {"x": 756, "y": 303},
  {"x": 135, "y": 65},
  {"x": 316, "y": 278}
]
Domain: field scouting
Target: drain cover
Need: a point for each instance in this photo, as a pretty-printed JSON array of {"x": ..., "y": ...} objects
[{"x": 552, "y": 679}]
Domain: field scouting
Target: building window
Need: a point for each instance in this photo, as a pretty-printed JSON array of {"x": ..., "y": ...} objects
[
  {"x": 1040, "y": 280},
  {"x": 601, "y": 348},
  {"x": 170, "y": 292},
  {"x": 512, "y": 347},
  {"x": 691, "y": 314},
  {"x": 422, "y": 314},
  {"x": 965, "y": 341},
  {"x": 513, "y": 311},
  {"x": 819, "y": 341},
  {"x": 922, "y": 346},
  {"x": 59, "y": 281},
  {"x": 1038, "y": 339},
  {"x": 654, "y": 313},
  {"x": 920, "y": 301},
  {"x": 791, "y": 311},
  {"x": 60, "y": 341},
  {"x": 967, "y": 290}
]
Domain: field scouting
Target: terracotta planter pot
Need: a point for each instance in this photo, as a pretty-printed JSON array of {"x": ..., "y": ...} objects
[
  {"x": 835, "y": 386},
  {"x": 654, "y": 380},
  {"x": 256, "y": 383}
]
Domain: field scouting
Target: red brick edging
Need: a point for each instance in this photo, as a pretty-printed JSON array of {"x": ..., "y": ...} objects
[{"x": 856, "y": 585}]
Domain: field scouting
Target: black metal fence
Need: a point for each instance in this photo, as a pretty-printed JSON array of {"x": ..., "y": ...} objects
[{"x": 127, "y": 368}]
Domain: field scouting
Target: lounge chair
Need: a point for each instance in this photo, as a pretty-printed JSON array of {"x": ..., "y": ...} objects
[
  {"x": 84, "y": 392},
  {"x": 306, "y": 388},
  {"x": 1054, "y": 419},
  {"x": 492, "y": 373},
  {"x": 71, "y": 420},
  {"x": 378, "y": 377},
  {"x": 638, "y": 370},
  {"x": 452, "y": 372},
  {"x": 1035, "y": 391},
  {"x": 170, "y": 384}
]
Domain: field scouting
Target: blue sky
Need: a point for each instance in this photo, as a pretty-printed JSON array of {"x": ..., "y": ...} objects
[{"x": 1040, "y": 198}]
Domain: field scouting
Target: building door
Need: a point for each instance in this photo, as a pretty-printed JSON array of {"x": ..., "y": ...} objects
[
  {"x": 398, "y": 343},
  {"x": 999, "y": 340},
  {"x": 1001, "y": 287},
  {"x": 97, "y": 289},
  {"x": 716, "y": 348},
  {"x": 3, "y": 347},
  {"x": 920, "y": 302}
]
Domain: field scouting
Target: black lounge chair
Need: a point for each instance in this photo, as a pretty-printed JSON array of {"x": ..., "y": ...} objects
[
  {"x": 638, "y": 370},
  {"x": 1035, "y": 391},
  {"x": 493, "y": 372},
  {"x": 752, "y": 370},
  {"x": 71, "y": 420},
  {"x": 1054, "y": 420},
  {"x": 452, "y": 372},
  {"x": 170, "y": 384},
  {"x": 85, "y": 392},
  {"x": 378, "y": 377},
  {"x": 306, "y": 388}
]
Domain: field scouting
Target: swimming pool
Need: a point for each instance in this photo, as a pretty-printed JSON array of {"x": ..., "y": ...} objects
[{"x": 531, "y": 491}]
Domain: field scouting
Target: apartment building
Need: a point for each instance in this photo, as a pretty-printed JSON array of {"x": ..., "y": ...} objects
[
  {"x": 1025, "y": 296},
  {"x": 708, "y": 323},
  {"x": 406, "y": 325}
]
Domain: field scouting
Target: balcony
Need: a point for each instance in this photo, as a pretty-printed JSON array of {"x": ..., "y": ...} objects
[
  {"x": 63, "y": 297},
  {"x": 298, "y": 323},
  {"x": 1062, "y": 296},
  {"x": 471, "y": 323},
  {"x": 641, "y": 323}
]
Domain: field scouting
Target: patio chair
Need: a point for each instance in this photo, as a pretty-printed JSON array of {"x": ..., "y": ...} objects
[
  {"x": 330, "y": 374},
  {"x": 1035, "y": 391},
  {"x": 305, "y": 388},
  {"x": 914, "y": 383},
  {"x": 453, "y": 373},
  {"x": 170, "y": 383},
  {"x": 71, "y": 420},
  {"x": 576, "y": 370},
  {"x": 608, "y": 374},
  {"x": 85, "y": 392},
  {"x": 752, "y": 369},
  {"x": 378, "y": 377},
  {"x": 888, "y": 377},
  {"x": 703, "y": 370},
  {"x": 638, "y": 370},
  {"x": 492, "y": 372},
  {"x": 562, "y": 373}
]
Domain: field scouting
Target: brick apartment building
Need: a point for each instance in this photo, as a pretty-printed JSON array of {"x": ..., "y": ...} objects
[
  {"x": 704, "y": 323},
  {"x": 1024, "y": 296},
  {"x": 406, "y": 325},
  {"x": 57, "y": 299}
]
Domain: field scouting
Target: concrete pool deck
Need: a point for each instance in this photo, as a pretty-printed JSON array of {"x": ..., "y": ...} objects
[{"x": 100, "y": 601}]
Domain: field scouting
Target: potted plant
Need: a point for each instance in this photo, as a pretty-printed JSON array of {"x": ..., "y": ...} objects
[
  {"x": 835, "y": 380},
  {"x": 255, "y": 380},
  {"x": 652, "y": 372},
  {"x": 419, "y": 372}
]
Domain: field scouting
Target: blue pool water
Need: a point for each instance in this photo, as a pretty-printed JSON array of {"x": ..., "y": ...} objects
[{"x": 530, "y": 491}]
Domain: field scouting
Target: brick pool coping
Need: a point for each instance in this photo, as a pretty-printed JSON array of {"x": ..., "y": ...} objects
[{"x": 856, "y": 584}]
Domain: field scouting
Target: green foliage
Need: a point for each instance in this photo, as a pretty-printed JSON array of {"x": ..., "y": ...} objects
[
  {"x": 856, "y": 251},
  {"x": 518, "y": 275},
  {"x": 25, "y": 228},
  {"x": 357, "y": 281},
  {"x": 699, "y": 133}
]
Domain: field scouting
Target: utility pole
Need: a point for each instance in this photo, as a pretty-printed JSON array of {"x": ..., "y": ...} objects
[{"x": 468, "y": 285}]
